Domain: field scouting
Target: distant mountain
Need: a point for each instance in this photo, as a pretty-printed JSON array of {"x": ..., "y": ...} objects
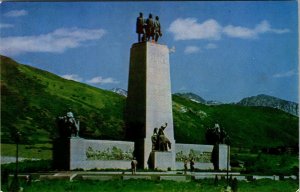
[
  {"x": 120, "y": 91},
  {"x": 213, "y": 102},
  {"x": 270, "y": 101},
  {"x": 196, "y": 98},
  {"x": 192, "y": 97},
  {"x": 259, "y": 100}
]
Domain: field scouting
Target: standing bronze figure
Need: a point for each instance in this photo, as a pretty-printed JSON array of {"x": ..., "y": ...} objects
[
  {"x": 150, "y": 28},
  {"x": 140, "y": 28},
  {"x": 157, "y": 29},
  {"x": 154, "y": 140}
]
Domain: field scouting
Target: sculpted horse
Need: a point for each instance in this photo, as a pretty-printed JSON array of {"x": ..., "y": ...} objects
[
  {"x": 159, "y": 141},
  {"x": 164, "y": 143}
]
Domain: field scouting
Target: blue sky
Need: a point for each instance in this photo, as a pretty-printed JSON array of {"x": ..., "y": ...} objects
[{"x": 224, "y": 51}]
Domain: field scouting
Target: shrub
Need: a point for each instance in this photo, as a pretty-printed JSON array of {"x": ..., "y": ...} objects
[{"x": 28, "y": 166}]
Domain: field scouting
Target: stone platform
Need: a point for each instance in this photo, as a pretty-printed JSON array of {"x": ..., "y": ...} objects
[
  {"x": 178, "y": 176},
  {"x": 163, "y": 160},
  {"x": 79, "y": 153}
]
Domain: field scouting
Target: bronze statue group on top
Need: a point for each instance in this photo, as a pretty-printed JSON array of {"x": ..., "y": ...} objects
[{"x": 148, "y": 28}]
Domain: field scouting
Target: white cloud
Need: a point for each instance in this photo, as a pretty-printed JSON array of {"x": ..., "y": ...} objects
[
  {"x": 6, "y": 25},
  {"x": 239, "y": 32},
  {"x": 183, "y": 88},
  {"x": 55, "y": 42},
  {"x": 264, "y": 27},
  {"x": 279, "y": 31},
  {"x": 73, "y": 77},
  {"x": 16, "y": 13},
  {"x": 211, "y": 46},
  {"x": 191, "y": 49},
  {"x": 94, "y": 80},
  {"x": 101, "y": 80},
  {"x": 189, "y": 28},
  {"x": 247, "y": 33},
  {"x": 285, "y": 74}
]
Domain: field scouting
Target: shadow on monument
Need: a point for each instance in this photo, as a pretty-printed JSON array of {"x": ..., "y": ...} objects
[
  {"x": 132, "y": 133},
  {"x": 61, "y": 153}
]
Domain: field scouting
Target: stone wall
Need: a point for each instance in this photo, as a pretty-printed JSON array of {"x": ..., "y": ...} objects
[
  {"x": 104, "y": 154},
  {"x": 201, "y": 154},
  {"x": 101, "y": 154}
]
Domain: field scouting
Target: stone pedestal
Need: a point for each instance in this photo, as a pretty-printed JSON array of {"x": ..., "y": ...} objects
[
  {"x": 223, "y": 156},
  {"x": 149, "y": 102},
  {"x": 61, "y": 153},
  {"x": 163, "y": 160},
  {"x": 220, "y": 157}
]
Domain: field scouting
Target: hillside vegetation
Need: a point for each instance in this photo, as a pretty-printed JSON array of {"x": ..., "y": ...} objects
[
  {"x": 246, "y": 126},
  {"x": 31, "y": 100}
]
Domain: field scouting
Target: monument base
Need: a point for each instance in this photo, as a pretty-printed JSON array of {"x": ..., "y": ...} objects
[
  {"x": 61, "y": 155},
  {"x": 224, "y": 157},
  {"x": 162, "y": 160}
]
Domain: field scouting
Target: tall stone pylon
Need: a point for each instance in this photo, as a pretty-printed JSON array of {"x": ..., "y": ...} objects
[{"x": 149, "y": 101}]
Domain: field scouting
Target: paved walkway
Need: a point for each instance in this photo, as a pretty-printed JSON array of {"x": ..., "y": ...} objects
[
  {"x": 10, "y": 159},
  {"x": 170, "y": 175}
]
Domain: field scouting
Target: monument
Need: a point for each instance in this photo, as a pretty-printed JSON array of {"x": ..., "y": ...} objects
[
  {"x": 149, "y": 103},
  {"x": 149, "y": 121}
]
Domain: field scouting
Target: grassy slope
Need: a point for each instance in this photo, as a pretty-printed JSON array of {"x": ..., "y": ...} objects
[
  {"x": 32, "y": 99},
  {"x": 247, "y": 126}
]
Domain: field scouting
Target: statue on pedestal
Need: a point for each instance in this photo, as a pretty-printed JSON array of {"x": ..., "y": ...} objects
[
  {"x": 215, "y": 136},
  {"x": 148, "y": 29},
  {"x": 68, "y": 126},
  {"x": 159, "y": 141}
]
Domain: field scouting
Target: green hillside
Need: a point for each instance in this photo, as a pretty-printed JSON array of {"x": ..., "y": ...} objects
[
  {"x": 31, "y": 99},
  {"x": 246, "y": 126}
]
